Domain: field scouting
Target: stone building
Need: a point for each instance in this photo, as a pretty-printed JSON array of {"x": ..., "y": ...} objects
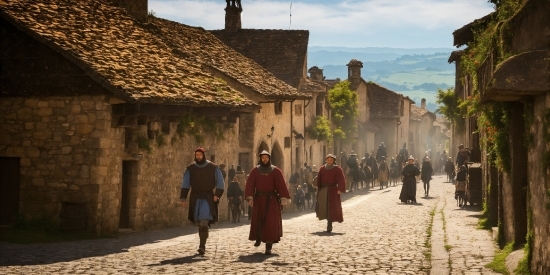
[
  {"x": 518, "y": 199},
  {"x": 102, "y": 108},
  {"x": 284, "y": 54},
  {"x": 422, "y": 133}
]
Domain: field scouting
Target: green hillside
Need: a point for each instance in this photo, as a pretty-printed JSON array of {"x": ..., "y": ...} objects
[{"x": 414, "y": 75}]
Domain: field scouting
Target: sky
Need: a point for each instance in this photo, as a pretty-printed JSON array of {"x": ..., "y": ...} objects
[{"x": 356, "y": 23}]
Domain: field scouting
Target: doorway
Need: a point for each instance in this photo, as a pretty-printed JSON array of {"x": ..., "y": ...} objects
[
  {"x": 9, "y": 189},
  {"x": 129, "y": 180}
]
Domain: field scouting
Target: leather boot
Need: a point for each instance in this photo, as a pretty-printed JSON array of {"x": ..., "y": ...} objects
[
  {"x": 329, "y": 227},
  {"x": 203, "y": 235},
  {"x": 268, "y": 247}
]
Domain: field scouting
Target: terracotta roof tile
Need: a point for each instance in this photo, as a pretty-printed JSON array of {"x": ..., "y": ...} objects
[
  {"x": 207, "y": 49},
  {"x": 311, "y": 86},
  {"x": 417, "y": 113},
  {"x": 385, "y": 103},
  {"x": 282, "y": 52},
  {"x": 122, "y": 54}
]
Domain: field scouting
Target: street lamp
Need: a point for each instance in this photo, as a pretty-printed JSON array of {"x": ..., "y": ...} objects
[{"x": 270, "y": 137}]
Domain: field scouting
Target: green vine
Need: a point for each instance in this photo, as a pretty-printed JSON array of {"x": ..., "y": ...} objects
[
  {"x": 198, "y": 127},
  {"x": 344, "y": 104},
  {"x": 449, "y": 107},
  {"x": 144, "y": 143},
  {"x": 320, "y": 129},
  {"x": 494, "y": 120},
  {"x": 161, "y": 140}
]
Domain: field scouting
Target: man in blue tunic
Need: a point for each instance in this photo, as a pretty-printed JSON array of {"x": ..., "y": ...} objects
[{"x": 205, "y": 180}]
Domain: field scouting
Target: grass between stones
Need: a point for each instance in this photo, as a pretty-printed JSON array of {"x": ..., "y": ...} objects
[
  {"x": 499, "y": 262},
  {"x": 428, "y": 241},
  {"x": 445, "y": 235}
]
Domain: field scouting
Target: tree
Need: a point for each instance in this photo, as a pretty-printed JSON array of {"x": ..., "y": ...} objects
[
  {"x": 344, "y": 105},
  {"x": 449, "y": 107}
]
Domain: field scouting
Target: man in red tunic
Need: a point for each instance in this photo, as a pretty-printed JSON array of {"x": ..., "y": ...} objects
[
  {"x": 330, "y": 183},
  {"x": 266, "y": 191}
]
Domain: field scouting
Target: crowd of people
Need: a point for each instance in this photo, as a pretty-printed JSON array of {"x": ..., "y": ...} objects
[{"x": 263, "y": 193}]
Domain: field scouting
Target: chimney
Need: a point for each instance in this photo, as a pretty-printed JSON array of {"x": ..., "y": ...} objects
[
  {"x": 423, "y": 104},
  {"x": 316, "y": 74},
  {"x": 136, "y": 8},
  {"x": 354, "y": 73},
  {"x": 354, "y": 69},
  {"x": 233, "y": 16}
]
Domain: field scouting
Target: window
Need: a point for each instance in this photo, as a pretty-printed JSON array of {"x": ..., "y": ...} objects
[
  {"x": 402, "y": 108},
  {"x": 319, "y": 108},
  {"x": 278, "y": 108},
  {"x": 287, "y": 142},
  {"x": 165, "y": 127},
  {"x": 298, "y": 109}
]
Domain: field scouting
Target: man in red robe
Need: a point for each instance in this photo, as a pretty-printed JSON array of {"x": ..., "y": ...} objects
[
  {"x": 330, "y": 183},
  {"x": 265, "y": 192}
]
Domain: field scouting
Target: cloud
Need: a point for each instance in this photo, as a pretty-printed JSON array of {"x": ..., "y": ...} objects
[{"x": 359, "y": 23}]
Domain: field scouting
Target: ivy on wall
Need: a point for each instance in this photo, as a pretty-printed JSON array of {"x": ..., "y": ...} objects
[
  {"x": 320, "y": 129},
  {"x": 344, "y": 104}
]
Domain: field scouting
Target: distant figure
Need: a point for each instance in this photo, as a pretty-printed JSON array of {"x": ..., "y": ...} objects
[
  {"x": 449, "y": 169},
  {"x": 381, "y": 152},
  {"x": 231, "y": 173},
  {"x": 234, "y": 199},
  {"x": 408, "y": 192},
  {"x": 462, "y": 157},
  {"x": 427, "y": 172},
  {"x": 383, "y": 173}
]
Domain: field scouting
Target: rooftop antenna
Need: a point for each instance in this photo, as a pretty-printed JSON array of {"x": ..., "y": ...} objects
[{"x": 290, "y": 15}]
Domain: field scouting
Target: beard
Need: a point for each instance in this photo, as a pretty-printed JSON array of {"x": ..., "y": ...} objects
[
  {"x": 202, "y": 161},
  {"x": 266, "y": 165}
]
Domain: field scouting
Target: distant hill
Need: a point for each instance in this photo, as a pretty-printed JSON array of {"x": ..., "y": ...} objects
[{"x": 416, "y": 73}]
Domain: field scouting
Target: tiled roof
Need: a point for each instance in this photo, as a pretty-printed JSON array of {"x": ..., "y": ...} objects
[
  {"x": 311, "y": 86},
  {"x": 120, "y": 53},
  {"x": 417, "y": 113},
  {"x": 465, "y": 34},
  {"x": 205, "y": 48},
  {"x": 385, "y": 103},
  {"x": 282, "y": 52}
]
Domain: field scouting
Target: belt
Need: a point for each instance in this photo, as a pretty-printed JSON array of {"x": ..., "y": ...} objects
[{"x": 264, "y": 193}]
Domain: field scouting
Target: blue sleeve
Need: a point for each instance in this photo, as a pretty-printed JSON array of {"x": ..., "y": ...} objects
[
  {"x": 186, "y": 184},
  {"x": 220, "y": 184}
]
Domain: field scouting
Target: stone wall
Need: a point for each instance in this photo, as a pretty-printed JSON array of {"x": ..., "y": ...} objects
[
  {"x": 154, "y": 200},
  {"x": 539, "y": 188},
  {"x": 60, "y": 142}
]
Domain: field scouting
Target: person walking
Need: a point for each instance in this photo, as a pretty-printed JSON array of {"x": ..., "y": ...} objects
[
  {"x": 426, "y": 177},
  {"x": 330, "y": 184},
  {"x": 408, "y": 191},
  {"x": 449, "y": 169},
  {"x": 234, "y": 199},
  {"x": 266, "y": 192},
  {"x": 381, "y": 152},
  {"x": 383, "y": 173},
  {"x": 205, "y": 181},
  {"x": 353, "y": 165},
  {"x": 241, "y": 176},
  {"x": 462, "y": 157},
  {"x": 461, "y": 186}
]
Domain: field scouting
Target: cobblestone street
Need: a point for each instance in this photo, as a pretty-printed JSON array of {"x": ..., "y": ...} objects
[{"x": 379, "y": 235}]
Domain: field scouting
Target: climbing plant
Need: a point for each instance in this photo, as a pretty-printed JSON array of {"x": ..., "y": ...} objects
[
  {"x": 320, "y": 129},
  {"x": 344, "y": 104},
  {"x": 198, "y": 127}
]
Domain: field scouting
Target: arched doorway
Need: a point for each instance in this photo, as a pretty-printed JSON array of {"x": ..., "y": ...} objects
[{"x": 277, "y": 155}]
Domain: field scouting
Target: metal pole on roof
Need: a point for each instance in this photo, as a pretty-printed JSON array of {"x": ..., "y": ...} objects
[{"x": 290, "y": 16}]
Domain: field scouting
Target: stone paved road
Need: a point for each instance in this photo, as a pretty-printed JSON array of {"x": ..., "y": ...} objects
[{"x": 379, "y": 235}]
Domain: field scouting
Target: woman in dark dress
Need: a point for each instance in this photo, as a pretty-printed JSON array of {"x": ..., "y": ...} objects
[
  {"x": 408, "y": 192},
  {"x": 426, "y": 177}
]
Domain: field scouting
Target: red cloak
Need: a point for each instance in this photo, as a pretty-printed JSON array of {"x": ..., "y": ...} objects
[
  {"x": 335, "y": 181},
  {"x": 266, "y": 224}
]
